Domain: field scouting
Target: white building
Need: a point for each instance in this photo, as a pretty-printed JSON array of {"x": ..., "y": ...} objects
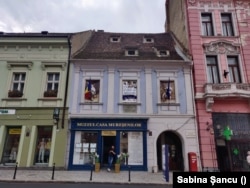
[{"x": 133, "y": 91}]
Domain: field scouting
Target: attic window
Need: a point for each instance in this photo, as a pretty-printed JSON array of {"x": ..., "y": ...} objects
[
  {"x": 162, "y": 53},
  {"x": 131, "y": 52},
  {"x": 115, "y": 39},
  {"x": 148, "y": 40}
]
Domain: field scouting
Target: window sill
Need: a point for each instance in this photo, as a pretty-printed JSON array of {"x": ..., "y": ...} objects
[
  {"x": 91, "y": 103},
  {"x": 49, "y": 99},
  {"x": 168, "y": 104},
  {"x": 14, "y": 99},
  {"x": 129, "y": 103}
]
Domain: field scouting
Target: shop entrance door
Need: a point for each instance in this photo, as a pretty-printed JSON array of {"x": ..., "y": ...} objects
[{"x": 108, "y": 141}]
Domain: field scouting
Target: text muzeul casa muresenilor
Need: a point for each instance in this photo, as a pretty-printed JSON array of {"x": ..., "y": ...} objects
[{"x": 109, "y": 124}]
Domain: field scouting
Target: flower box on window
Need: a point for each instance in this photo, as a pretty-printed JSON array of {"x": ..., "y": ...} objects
[
  {"x": 15, "y": 93},
  {"x": 50, "y": 93}
]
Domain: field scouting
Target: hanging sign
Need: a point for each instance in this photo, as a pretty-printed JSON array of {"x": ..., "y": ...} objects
[
  {"x": 14, "y": 131},
  {"x": 108, "y": 133}
]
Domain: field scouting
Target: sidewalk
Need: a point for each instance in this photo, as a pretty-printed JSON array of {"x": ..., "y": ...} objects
[{"x": 64, "y": 176}]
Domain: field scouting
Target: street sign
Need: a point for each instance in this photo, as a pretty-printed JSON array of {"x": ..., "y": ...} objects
[{"x": 7, "y": 111}]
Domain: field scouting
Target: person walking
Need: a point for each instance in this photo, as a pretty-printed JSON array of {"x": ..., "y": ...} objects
[{"x": 111, "y": 156}]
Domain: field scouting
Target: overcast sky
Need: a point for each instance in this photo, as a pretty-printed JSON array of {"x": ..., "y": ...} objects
[{"x": 63, "y": 16}]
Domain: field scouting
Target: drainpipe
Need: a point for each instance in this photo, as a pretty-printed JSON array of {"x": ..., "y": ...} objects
[{"x": 67, "y": 80}]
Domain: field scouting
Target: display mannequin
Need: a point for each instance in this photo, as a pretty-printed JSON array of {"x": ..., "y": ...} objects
[
  {"x": 13, "y": 152},
  {"x": 248, "y": 158},
  {"x": 41, "y": 147}
]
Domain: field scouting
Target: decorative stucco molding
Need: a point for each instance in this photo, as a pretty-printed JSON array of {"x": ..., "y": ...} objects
[
  {"x": 11, "y": 64},
  {"x": 209, "y": 103},
  {"x": 223, "y": 3},
  {"x": 242, "y": 4},
  {"x": 44, "y": 65},
  {"x": 210, "y": 3},
  {"x": 221, "y": 47},
  {"x": 192, "y": 2}
]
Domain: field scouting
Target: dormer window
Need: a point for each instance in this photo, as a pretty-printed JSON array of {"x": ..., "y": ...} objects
[
  {"x": 148, "y": 40},
  {"x": 162, "y": 53},
  {"x": 131, "y": 52},
  {"x": 115, "y": 39}
]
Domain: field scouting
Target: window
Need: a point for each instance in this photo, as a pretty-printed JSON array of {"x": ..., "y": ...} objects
[
  {"x": 167, "y": 91},
  {"x": 162, "y": 53},
  {"x": 52, "y": 85},
  {"x": 115, "y": 39},
  {"x": 43, "y": 144},
  {"x": 212, "y": 69},
  {"x": 207, "y": 24},
  {"x": 234, "y": 73},
  {"x": 227, "y": 25},
  {"x": 18, "y": 81},
  {"x": 148, "y": 40},
  {"x": 131, "y": 147},
  {"x": 129, "y": 90},
  {"x": 53, "y": 81},
  {"x": 92, "y": 90},
  {"x": 131, "y": 52},
  {"x": 85, "y": 146}
]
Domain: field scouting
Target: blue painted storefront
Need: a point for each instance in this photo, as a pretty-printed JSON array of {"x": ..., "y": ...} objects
[{"x": 99, "y": 125}]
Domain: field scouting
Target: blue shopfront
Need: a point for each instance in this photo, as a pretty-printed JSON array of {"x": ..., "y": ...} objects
[{"x": 91, "y": 138}]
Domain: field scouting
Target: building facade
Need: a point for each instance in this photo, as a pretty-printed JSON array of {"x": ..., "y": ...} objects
[
  {"x": 217, "y": 34},
  {"x": 33, "y": 106},
  {"x": 133, "y": 91}
]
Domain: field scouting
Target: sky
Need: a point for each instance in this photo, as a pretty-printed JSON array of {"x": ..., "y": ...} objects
[{"x": 68, "y": 16}]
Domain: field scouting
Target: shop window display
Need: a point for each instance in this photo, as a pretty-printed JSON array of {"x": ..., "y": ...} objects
[
  {"x": 131, "y": 148},
  {"x": 85, "y": 147},
  {"x": 11, "y": 146},
  {"x": 43, "y": 145}
]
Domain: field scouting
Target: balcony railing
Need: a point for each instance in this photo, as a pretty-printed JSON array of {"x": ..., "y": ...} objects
[
  {"x": 223, "y": 90},
  {"x": 227, "y": 90}
]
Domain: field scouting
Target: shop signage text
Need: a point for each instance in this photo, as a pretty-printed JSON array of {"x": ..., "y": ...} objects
[{"x": 109, "y": 125}]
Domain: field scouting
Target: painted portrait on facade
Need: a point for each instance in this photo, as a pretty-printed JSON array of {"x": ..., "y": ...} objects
[{"x": 92, "y": 89}]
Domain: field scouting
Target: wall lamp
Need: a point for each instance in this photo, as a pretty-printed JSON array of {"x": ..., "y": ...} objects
[
  {"x": 225, "y": 73},
  {"x": 149, "y": 133},
  {"x": 56, "y": 116},
  {"x": 27, "y": 132}
]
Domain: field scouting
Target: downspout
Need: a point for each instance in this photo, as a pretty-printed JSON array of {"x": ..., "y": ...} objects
[{"x": 67, "y": 80}]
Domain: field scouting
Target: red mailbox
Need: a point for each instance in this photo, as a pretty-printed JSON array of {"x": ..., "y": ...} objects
[{"x": 192, "y": 160}]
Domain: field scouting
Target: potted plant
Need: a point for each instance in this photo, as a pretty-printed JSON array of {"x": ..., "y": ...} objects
[
  {"x": 96, "y": 161},
  {"x": 15, "y": 93},
  {"x": 118, "y": 163},
  {"x": 50, "y": 93},
  {"x": 125, "y": 158}
]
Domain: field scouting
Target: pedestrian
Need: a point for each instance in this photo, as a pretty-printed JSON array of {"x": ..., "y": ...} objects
[{"x": 111, "y": 156}]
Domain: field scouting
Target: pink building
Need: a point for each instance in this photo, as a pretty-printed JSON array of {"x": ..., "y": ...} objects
[{"x": 216, "y": 33}]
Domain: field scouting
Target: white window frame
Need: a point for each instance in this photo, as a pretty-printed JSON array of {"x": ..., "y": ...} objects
[
  {"x": 115, "y": 39},
  {"x": 53, "y": 82},
  {"x": 127, "y": 52},
  {"x": 18, "y": 82}
]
